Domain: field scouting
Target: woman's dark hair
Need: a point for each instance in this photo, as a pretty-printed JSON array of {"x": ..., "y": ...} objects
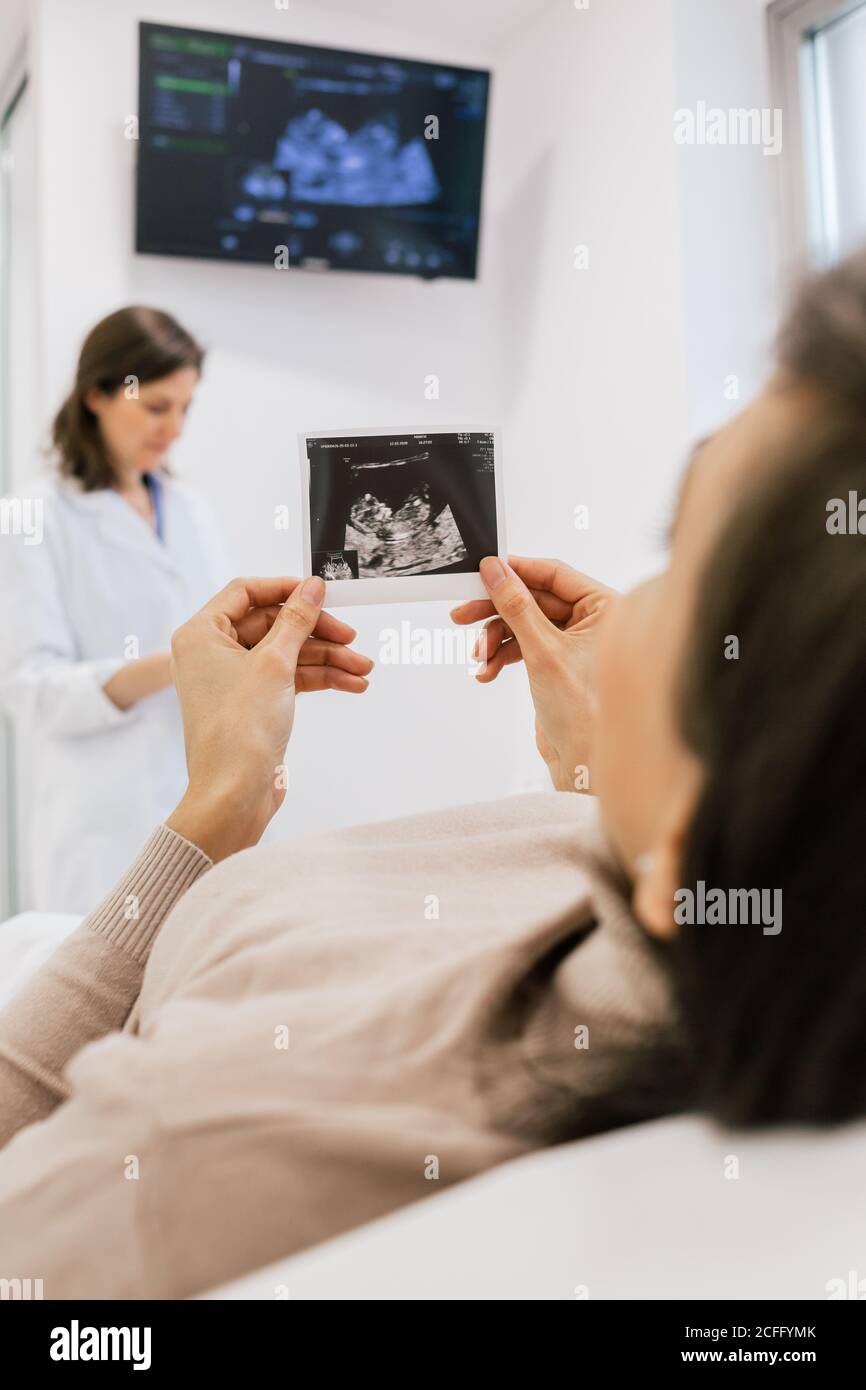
[
  {"x": 778, "y": 1021},
  {"x": 137, "y": 342}
]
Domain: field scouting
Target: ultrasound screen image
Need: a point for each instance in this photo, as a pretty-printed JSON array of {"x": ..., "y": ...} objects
[
  {"x": 247, "y": 144},
  {"x": 367, "y": 167},
  {"x": 410, "y": 505}
]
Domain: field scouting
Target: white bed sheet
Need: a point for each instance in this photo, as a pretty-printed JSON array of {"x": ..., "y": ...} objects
[{"x": 653, "y": 1211}]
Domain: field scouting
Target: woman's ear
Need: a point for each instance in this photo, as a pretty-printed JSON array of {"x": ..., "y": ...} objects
[
  {"x": 93, "y": 399},
  {"x": 656, "y": 881},
  {"x": 658, "y": 874}
]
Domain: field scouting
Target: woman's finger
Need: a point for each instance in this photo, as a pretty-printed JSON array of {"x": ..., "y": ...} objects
[
  {"x": 472, "y": 612},
  {"x": 254, "y": 625},
  {"x": 242, "y": 596},
  {"x": 507, "y": 654},
  {"x": 237, "y": 598},
  {"x": 317, "y": 653},
  {"x": 328, "y": 678},
  {"x": 565, "y": 583},
  {"x": 333, "y": 629},
  {"x": 556, "y": 609},
  {"x": 490, "y": 638}
]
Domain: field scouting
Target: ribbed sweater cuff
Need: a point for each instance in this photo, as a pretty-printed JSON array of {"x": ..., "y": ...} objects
[{"x": 136, "y": 908}]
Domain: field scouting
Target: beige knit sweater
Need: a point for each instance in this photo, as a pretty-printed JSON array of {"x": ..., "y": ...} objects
[{"x": 223, "y": 1065}]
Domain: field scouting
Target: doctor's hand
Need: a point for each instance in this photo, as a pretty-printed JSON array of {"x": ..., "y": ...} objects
[
  {"x": 238, "y": 664},
  {"x": 544, "y": 613}
]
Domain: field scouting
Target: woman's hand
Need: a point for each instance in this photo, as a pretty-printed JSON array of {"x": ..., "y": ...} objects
[
  {"x": 238, "y": 664},
  {"x": 544, "y": 614},
  {"x": 137, "y": 679}
]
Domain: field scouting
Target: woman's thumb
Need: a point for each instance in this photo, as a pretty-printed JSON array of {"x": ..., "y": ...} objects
[
  {"x": 298, "y": 616},
  {"x": 514, "y": 602}
]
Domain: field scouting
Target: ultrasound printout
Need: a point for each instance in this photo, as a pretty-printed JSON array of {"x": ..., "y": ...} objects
[{"x": 383, "y": 506}]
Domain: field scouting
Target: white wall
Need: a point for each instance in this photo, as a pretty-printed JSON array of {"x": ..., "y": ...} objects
[
  {"x": 592, "y": 364},
  {"x": 728, "y": 206},
  {"x": 592, "y": 374}
]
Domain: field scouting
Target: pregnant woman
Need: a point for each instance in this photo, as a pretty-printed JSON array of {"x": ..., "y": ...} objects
[{"x": 245, "y": 1050}]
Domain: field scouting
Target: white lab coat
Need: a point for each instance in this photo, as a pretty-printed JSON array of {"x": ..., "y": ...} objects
[{"x": 99, "y": 588}]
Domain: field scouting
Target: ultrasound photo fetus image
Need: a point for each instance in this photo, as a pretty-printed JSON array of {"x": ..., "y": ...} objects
[
  {"x": 402, "y": 506},
  {"x": 409, "y": 540},
  {"x": 335, "y": 564}
]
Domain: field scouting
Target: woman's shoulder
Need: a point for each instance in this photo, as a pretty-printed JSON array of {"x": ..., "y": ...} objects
[
  {"x": 46, "y": 491},
  {"x": 36, "y": 515},
  {"x": 527, "y": 812}
]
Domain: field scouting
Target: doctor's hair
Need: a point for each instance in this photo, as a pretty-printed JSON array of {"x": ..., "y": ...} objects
[
  {"x": 776, "y": 1020},
  {"x": 147, "y": 344}
]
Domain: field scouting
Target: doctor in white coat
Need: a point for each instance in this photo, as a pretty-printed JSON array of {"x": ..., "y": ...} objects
[{"x": 112, "y": 554}]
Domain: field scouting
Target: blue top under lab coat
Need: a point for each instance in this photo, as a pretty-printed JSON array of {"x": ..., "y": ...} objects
[{"x": 154, "y": 486}]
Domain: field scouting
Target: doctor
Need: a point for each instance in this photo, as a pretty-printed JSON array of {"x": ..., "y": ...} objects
[{"x": 123, "y": 554}]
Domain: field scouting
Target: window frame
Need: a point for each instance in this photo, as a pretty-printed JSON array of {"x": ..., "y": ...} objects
[
  {"x": 791, "y": 23},
  {"x": 12, "y": 89}
]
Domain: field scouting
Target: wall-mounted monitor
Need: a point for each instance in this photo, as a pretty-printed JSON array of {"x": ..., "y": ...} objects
[{"x": 256, "y": 150}]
